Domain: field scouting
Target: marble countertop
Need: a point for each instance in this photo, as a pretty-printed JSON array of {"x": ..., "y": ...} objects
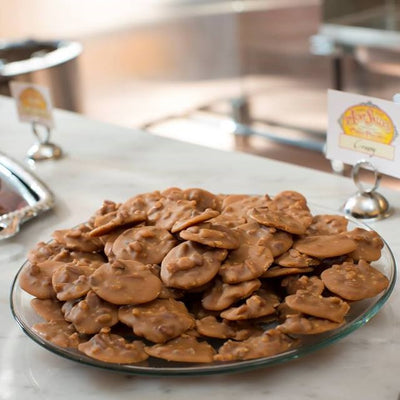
[{"x": 108, "y": 162}]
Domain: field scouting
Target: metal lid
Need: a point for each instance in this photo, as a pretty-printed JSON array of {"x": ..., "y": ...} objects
[{"x": 22, "y": 57}]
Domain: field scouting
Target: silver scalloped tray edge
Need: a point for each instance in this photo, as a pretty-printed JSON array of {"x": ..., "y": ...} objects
[{"x": 11, "y": 222}]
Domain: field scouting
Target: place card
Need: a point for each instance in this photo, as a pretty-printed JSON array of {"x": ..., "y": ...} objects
[
  {"x": 363, "y": 127},
  {"x": 33, "y": 103}
]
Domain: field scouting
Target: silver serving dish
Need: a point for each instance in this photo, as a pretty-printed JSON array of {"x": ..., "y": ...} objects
[{"x": 22, "y": 196}]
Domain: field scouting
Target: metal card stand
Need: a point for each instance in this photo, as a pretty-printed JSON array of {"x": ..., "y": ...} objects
[
  {"x": 367, "y": 203},
  {"x": 43, "y": 149}
]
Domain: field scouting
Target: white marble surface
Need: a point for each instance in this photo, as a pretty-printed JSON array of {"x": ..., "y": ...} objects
[{"x": 108, "y": 162}]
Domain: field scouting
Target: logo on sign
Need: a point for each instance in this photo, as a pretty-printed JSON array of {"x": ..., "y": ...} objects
[
  {"x": 33, "y": 103},
  {"x": 367, "y": 129}
]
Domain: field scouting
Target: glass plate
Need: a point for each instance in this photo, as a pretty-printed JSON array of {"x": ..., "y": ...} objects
[{"x": 360, "y": 313}]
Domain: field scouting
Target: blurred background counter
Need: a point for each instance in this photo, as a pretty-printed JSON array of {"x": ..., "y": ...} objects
[{"x": 183, "y": 68}]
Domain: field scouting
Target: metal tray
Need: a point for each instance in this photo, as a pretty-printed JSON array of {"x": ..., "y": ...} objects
[{"x": 22, "y": 196}]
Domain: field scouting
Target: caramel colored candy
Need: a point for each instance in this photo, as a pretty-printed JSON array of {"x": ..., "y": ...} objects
[
  {"x": 170, "y": 293},
  {"x": 116, "y": 220},
  {"x": 256, "y": 234},
  {"x": 198, "y": 311},
  {"x": 173, "y": 193},
  {"x": 92, "y": 260},
  {"x": 294, "y": 283},
  {"x": 240, "y": 205},
  {"x": 113, "y": 348},
  {"x": 294, "y": 204},
  {"x": 327, "y": 225},
  {"x": 194, "y": 218},
  {"x": 92, "y": 314},
  {"x": 54, "y": 251},
  {"x": 295, "y": 259},
  {"x": 300, "y": 325},
  {"x": 71, "y": 281},
  {"x": 325, "y": 246},
  {"x": 108, "y": 241},
  {"x": 183, "y": 349},
  {"x": 203, "y": 198},
  {"x": 268, "y": 344},
  {"x": 141, "y": 202},
  {"x": 146, "y": 244},
  {"x": 67, "y": 306},
  {"x": 107, "y": 207},
  {"x": 279, "y": 243},
  {"x": 48, "y": 309},
  {"x": 284, "y": 311},
  {"x": 223, "y": 295},
  {"x": 278, "y": 219},
  {"x": 36, "y": 279},
  {"x": 289, "y": 199},
  {"x": 132, "y": 212},
  {"x": 369, "y": 244},
  {"x": 260, "y": 304},
  {"x": 246, "y": 263},
  {"x": 229, "y": 221},
  {"x": 354, "y": 281},
  {"x": 276, "y": 271},
  {"x": 209, "y": 326},
  {"x": 287, "y": 211},
  {"x": 166, "y": 212},
  {"x": 178, "y": 267},
  {"x": 159, "y": 320},
  {"x": 229, "y": 199},
  {"x": 212, "y": 235},
  {"x": 125, "y": 282},
  {"x": 191, "y": 265},
  {"x": 166, "y": 292},
  {"x": 58, "y": 332},
  {"x": 78, "y": 239},
  {"x": 45, "y": 251},
  {"x": 332, "y": 308}
]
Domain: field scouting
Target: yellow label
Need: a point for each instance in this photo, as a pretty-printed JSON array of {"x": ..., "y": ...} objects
[
  {"x": 32, "y": 102},
  {"x": 368, "y": 121}
]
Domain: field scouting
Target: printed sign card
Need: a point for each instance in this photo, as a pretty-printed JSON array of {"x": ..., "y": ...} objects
[
  {"x": 33, "y": 103},
  {"x": 363, "y": 127}
]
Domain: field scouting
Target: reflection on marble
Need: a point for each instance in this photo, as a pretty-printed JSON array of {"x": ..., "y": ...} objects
[{"x": 107, "y": 162}]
